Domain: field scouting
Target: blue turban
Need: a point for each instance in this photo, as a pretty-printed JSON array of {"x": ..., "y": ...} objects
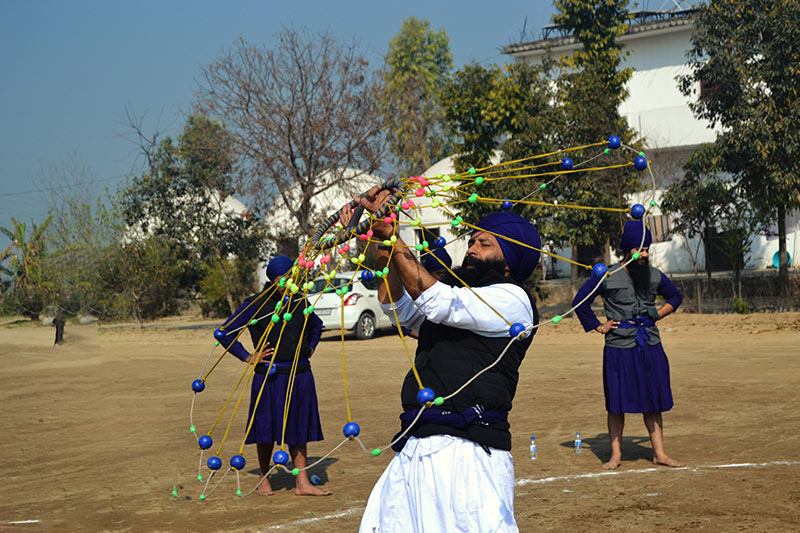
[
  {"x": 278, "y": 266},
  {"x": 632, "y": 236},
  {"x": 431, "y": 264},
  {"x": 521, "y": 260}
]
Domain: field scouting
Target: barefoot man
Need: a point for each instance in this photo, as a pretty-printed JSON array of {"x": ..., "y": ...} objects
[
  {"x": 635, "y": 367},
  {"x": 302, "y": 423}
]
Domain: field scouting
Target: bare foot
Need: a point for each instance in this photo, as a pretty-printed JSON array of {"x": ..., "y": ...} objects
[
  {"x": 612, "y": 464},
  {"x": 265, "y": 489},
  {"x": 311, "y": 490},
  {"x": 666, "y": 461}
]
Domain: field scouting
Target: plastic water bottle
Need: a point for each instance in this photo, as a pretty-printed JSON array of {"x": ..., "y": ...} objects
[
  {"x": 578, "y": 442},
  {"x": 314, "y": 479},
  {"x": 533, "y": 449}
]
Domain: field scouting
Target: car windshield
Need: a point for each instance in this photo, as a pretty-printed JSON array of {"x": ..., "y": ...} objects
[{"x": 335, "y": 283}]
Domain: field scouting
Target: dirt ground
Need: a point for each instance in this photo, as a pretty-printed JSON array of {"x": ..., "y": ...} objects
[{"x": 95, "y": 432}]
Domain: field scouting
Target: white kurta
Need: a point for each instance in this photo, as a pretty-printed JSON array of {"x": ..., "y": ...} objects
[
  {"x": 465, "y": 308},
  {"x": 443, "y": 484}
]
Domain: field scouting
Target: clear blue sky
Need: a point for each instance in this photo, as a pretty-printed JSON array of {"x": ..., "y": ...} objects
[{"x": 68, "y": 69}]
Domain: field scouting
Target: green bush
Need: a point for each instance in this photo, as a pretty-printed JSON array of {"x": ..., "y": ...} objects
[{"x": 213, "y": 296}]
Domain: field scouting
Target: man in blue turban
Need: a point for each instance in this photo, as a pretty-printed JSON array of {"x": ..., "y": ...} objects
[
  {"x": 635, "y": 367},
  {"x": 293, "y": 338},
  {"x": 463, "y": 331}
]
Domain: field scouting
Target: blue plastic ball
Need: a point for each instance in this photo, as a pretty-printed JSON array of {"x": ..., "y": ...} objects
[
  {"x": 367, "y": 274},
  {"x": 351, "y": 429},
  {"x": 614, "y": 142},
  {"x": 273, "y": 370},
  {"x": 205, "y": 442},
  {"x": 219, "y": 334},
  {"x": 637, "y": 211},
  {"x": 566, "y": 164},
  {"x": 280, "y": 457},
  {"x": 440, "y": 241},
  {"x": 516, "y": 329},
  {"x": 238, "y": 462},
  {"x": 640, "y": 162},
  {"x": 599, "y": 270},
  {"x": 214, "y": 463},
  {"x": 198, "y": 385},
  {"x": 287, "y": 299},
  {"x": 507, "y": 204},
  {"x": 425, "y": 395}
]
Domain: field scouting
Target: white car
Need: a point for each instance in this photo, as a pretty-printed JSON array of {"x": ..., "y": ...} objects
[{"x": 362, "y": 311}]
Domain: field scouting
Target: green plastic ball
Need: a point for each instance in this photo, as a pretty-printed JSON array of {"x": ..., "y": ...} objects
[
  {"x": 199, "y": 477},
  {"x": 275, "y": 319},
  {"x": 543, "y": 186},
  {"x": 202, "y": 496},
  {"x": 473, "y": 198},
  {"x": 418, "y": 247},
  {"x": 287, "y": 317},
  {"x": 454, "y": 223},
  {"x": 438, "y": 401},
  {"x": 557, "y": 319},
  {"x": 216, "y": 343},
  {"x": 607, "y": 150},
  {"x": 635, "y": 255},
  {"x": 479, "y": 180},
  {"x": 471, "y": 171},
  {"x": 385, "y": 270},
  {"x": 376, "y": 452},
  {"x": 192, "y": 429},
  {"x": 239, "y": 492},
  {"x": 295, "y": 471},
  {"x": 253, "y": 322},
  {"x": 174, "y": 493},
  {"x": 652, "y": 203}
]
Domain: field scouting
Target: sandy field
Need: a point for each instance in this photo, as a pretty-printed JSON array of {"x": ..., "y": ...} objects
[{"x": 95, "y": 433}]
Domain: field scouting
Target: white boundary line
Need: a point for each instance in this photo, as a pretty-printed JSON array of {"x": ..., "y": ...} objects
[
  {"x": 293, "y": 525},
  {"x": 541, "y": 481}
]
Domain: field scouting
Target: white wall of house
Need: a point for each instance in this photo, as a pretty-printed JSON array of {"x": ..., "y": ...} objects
[{"x": 660, "y": 113}]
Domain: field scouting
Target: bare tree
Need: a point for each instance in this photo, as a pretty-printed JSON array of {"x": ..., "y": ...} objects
[{"x": 300, "y": 115}]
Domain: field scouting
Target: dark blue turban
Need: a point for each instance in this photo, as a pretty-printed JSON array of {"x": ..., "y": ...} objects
[
  {"x": 632, "y": 236},
  {"x": 521, "y": 259},
  {"x": 431, "y": 264},
  {"x": 278, "y": 266}
]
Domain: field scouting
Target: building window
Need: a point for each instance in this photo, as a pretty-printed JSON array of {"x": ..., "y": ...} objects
[
  {"x": 660, "y": 228},
  {"x": 428, "y": 234}
]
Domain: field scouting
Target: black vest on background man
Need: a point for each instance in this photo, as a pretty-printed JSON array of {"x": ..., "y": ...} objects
[
  {"x": 293, "y": 332},
  {"x": 448, "y": 357}
]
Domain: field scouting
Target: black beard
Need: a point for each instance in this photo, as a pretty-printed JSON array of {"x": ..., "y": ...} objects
[
  {"x": 639, "y": 271},
  {"x": 474, "y": 270}
]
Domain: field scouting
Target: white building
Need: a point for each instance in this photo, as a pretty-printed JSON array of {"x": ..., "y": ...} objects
[{"x": 657, "y": 43}]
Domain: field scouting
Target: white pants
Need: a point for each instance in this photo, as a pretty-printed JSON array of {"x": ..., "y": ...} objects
[{"x": 443, "y": 483}]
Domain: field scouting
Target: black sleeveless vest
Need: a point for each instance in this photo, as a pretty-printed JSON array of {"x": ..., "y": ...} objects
[
  {"x": 292, "y": 333},
  {"x": 447, "y": 357}
]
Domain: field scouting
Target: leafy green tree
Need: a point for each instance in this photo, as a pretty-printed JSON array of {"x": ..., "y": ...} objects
[
  {"x": 242, "y": 278},
  {"x": 744, "y": 55},
  {"x": 182, "y": 199},
  {"x": 591, "y": 88},
  {"x": 417, "y": 66},
  {"x": 22, "y": 266},
  {"x": 700, "y": 202}
]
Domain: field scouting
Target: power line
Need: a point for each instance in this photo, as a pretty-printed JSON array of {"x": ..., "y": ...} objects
[{"x": 58, "y": 187}]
